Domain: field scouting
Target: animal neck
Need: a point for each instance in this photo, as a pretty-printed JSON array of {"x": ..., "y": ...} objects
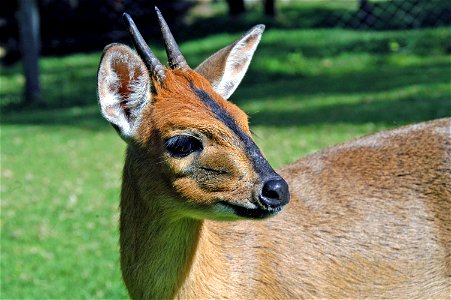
[{"x": 157, "y": 247}]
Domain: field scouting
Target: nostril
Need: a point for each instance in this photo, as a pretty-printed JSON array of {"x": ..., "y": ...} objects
[
  {"x": 274, "y": 193},
  {"x": 270, "y": 190},
  {"x": 271, "y": 194}
]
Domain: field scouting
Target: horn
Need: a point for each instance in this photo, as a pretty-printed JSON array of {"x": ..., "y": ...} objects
[
  {"x": 175, "y": 57},
  {"x": 156, "y": 69}
]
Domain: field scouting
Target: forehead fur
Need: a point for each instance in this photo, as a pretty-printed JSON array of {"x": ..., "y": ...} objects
[{"x": 176, "y": 105}]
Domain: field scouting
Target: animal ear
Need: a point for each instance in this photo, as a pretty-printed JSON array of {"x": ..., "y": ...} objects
[
  {"x": 123, "y": 88},
  {"x": 226, "y": 68}
]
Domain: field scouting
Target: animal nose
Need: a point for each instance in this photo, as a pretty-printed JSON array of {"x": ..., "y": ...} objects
[{"x": 274, "y": 193}]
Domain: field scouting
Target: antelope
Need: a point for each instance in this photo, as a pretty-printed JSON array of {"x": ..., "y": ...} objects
[{"x": 203, "y": 214}]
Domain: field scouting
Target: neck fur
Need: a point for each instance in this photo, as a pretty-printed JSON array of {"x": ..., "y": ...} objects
[{"x": 157, "y": 249}]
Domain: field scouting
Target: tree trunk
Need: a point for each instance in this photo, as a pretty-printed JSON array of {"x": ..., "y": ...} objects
[
  {"x": 270, "y": 8},
  {"x": 236, "y": 7},
  {"x": 30, "y": 47}
]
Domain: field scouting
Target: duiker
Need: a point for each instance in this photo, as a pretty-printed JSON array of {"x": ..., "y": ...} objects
[{"x": 366, "y": 219}]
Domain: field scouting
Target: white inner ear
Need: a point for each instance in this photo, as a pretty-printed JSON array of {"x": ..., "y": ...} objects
[
  {"x": 235, "y": 68},
  {"x": 123, "y": 87},
  {"x": 237, "y": 62}
]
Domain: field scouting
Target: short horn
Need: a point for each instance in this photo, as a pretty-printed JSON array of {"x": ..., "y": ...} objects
[
  {"x": 156, "y": 69},
  {"x": 175, "y": 57}
]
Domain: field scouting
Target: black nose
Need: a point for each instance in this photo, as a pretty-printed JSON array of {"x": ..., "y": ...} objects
[{"x": 274, "y": 193}]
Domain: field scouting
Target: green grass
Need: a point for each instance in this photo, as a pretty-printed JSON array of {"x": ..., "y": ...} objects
[{"x": 306, "y": 89}]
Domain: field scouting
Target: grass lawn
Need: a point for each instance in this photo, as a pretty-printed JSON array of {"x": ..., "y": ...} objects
[{"x": 306, "y": 90}]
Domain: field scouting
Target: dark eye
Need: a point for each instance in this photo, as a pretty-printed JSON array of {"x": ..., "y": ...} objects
[{"x": 182, "y": 145}]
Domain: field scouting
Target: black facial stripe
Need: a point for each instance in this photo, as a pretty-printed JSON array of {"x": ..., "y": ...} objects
[{"x": 260, "y": 164}]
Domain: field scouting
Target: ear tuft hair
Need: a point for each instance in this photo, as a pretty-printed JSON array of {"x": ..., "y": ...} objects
[{"x": 123, "y": 87}]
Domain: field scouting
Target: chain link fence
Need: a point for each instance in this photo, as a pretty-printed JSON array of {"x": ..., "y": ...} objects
[{"x": 391, "y": 15}]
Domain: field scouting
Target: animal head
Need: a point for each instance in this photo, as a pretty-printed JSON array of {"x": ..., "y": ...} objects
[{"x": 191, "y": 149}]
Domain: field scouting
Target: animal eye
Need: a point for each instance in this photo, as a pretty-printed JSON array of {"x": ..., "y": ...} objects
[{"x": 182, "y": 145}]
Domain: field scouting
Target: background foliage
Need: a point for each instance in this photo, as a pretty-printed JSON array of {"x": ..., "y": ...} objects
[{"x": 309, "y": 87}]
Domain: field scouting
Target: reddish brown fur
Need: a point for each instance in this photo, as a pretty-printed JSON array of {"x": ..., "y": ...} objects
[
  {"x": 175, "y": 105},
  {"x": 367, "y": 219},
  {"x": 349, "y": 231}
]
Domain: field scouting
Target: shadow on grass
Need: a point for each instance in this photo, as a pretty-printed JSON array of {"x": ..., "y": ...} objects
[
  {"x": 69, "y": 86},
  {"x": 261, "y": 85},
  {"x": 61, "y": 89},
  {"x": 321, "y": 43},
  {"x": 403, "y": 111},
  {"x": 267, "y": 86},
  {"x": 271, "y": 85},
  {"x": 86, "y": 117},
  {"x": 70, "y": 81}
]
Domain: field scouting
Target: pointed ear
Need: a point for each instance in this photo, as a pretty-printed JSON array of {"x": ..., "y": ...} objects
[
  {"x": 123, "y": 88},
  {"x": 226, "y": 68}
]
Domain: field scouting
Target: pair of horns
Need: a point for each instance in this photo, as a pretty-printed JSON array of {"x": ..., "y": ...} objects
[{"x": 175, "y": 57}]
